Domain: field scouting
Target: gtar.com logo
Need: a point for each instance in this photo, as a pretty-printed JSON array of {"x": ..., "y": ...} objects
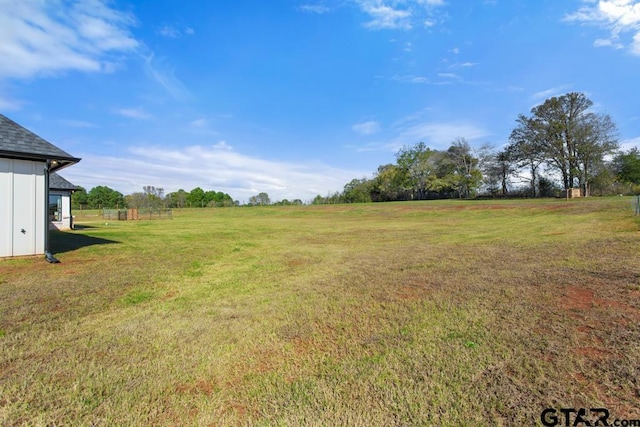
[{"x": 582, "y": 417}]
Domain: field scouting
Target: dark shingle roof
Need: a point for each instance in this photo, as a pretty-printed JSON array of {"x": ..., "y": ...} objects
[
  {"x": 56, "y": 182},
  {"x": 20, "y": 143}
]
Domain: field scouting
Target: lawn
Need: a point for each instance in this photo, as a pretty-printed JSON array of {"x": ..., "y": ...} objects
[{"x": 422, "y": 313}]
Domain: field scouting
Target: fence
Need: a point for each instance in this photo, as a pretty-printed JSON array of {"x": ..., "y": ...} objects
[
  {"x": 135, "y": 214},
  {"x": 636, "y": 203},
  {"x": 154, "y": 213},
  {"x": 113, "y": 214}
]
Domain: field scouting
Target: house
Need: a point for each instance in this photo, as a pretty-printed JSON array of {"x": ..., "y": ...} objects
[
  {"x": 60, "y": 190},
  {"x": 26, "y": 162}
]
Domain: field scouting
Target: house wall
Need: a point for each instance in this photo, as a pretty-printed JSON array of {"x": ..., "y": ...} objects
[
  {"x": 22, "y": 207},
  {"x": 65, "y": 223}
]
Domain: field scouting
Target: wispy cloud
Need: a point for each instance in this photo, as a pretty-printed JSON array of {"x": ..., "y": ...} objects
[
  {"x": 630, "y": 143},
  {"x": 133, "y": 113},
  {"x": 416, "y": 128},
  {"x": 318, "y": 9},
  {"x": 385, "y": 16},
  {"x": 9, "y": 104},
  {"x": 173, "y": 32},
  {"x": 367, "y": 128},
  {"x": 448, "y": 75},
  {"x": 437, "y": 135},
  {"x": 548, "y": 93},
  {"x": 164, "y": 75},
  {"x": 77, "y": 123},
  {"x": 199, "y": 123},
  {"x": 44, "y": 38},
  {"x": 412, "y": 79},
  {"x": 217, "y": 167},
  {"x": 398, "y": 15},
  {"x": 619, "y": 17},
  {"x": 462, "y": 65}
]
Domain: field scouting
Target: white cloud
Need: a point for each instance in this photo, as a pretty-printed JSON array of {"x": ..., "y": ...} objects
[
  {"x": 617, "y": 16},
  {"x": 438, "y": 135},
  {"x": 314, "y": 8},
  {"x": 630, "y": 143},
  {"x": 398, "y": 14},
  {"x": 367, "y": 128},
  {"x": 173, "y": 32},
  {"x": 169, "y": 31},
  {"x": 164, "y": 75},
  {"x": 635, "y": 46},
  {"x": 133, "y": 113},
  {"x": 608, "y": 42},
  {"x": 43, "y": 38},
  {"x": 216, "y": 167},
  {"x": 77, "y": 123},
  {"x": 199, "y": 123},
  {"x": 9, "y": 104},
  {"x": 412, "y": 79},
  {"x": 385, "y": 17},
  {"x": 548, "y": 93}
]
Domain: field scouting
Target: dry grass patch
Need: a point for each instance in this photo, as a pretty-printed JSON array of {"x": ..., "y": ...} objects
[{"x": 435, "y": 313}]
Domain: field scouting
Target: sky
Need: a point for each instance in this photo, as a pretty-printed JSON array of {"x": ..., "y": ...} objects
[{"x": 296, "y": 98}]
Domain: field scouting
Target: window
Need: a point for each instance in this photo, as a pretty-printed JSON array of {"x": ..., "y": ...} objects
[{"x": 55, "y": 207}]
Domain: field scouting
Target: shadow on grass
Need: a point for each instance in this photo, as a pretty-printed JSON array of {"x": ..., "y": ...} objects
[
  {"x": 83, "y": 227},
  {"x": 65, "y": 242}
]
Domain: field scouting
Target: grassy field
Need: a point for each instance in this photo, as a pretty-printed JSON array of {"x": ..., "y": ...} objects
[{"x": 424, "y": 313}]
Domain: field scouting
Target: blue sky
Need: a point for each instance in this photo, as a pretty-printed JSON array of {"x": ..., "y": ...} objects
[{"x": 293, "y": 97}]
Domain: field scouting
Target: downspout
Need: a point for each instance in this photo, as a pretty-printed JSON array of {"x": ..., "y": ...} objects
[{"x": 47, "y": 253}]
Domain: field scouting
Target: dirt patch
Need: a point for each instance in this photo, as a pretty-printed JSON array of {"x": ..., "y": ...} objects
[
  {"x": 592, "y": 352},
  {"x": 202, "y": 386},
  {"x": 576, "y": 298}
]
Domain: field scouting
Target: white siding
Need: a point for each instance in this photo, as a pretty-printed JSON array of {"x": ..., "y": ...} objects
[
  {"x": 65, "y": 222},
  {"x": 6, "y": 207},
  {"x": 22, "y": 207}
]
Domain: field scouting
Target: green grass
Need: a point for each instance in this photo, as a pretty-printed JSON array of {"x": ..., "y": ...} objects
[{"x": 427, "y": 313}]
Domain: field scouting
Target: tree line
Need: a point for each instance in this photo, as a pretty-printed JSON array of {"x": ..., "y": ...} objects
[
  {"x": 103, "y": 197},
  {"x": 561, "y": 144}
]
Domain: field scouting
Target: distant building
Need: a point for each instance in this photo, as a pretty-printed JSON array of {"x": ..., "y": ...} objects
[
  {"x": 60, "y": 190},
  {"x": 26, "y": 163}
]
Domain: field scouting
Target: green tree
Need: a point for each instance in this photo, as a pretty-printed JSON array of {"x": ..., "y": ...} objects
[
  {"x": 573, "y": 140},
  {"x": 102, "y": 197},
  {"x": 196, "y": 198},
  {"x": 527, "y": 149},
  {"x": 357, "y": 191},
  {"x": 419, "y": 171},
  {"x": 387, "y": 184},
  {"x": 465, "y": 176},
  {"x": 80, "y": 198},
  {"x": 136, "y": 200},
  {"x": 262, "y": 199},
  {"x": 177, "y": 199},
  {"x": 626, "y": 166},
  {"x": 154, "y": 195},
  {"x": 497, "y": 171}
]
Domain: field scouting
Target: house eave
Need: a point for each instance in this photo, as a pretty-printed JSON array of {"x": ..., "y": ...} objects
[{"x": 57, "y": 162}]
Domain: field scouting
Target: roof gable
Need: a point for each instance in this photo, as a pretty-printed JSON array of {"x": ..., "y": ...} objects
[
  {"x": 56, "y": 182},
  {"x": 20, "y": 143}
]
